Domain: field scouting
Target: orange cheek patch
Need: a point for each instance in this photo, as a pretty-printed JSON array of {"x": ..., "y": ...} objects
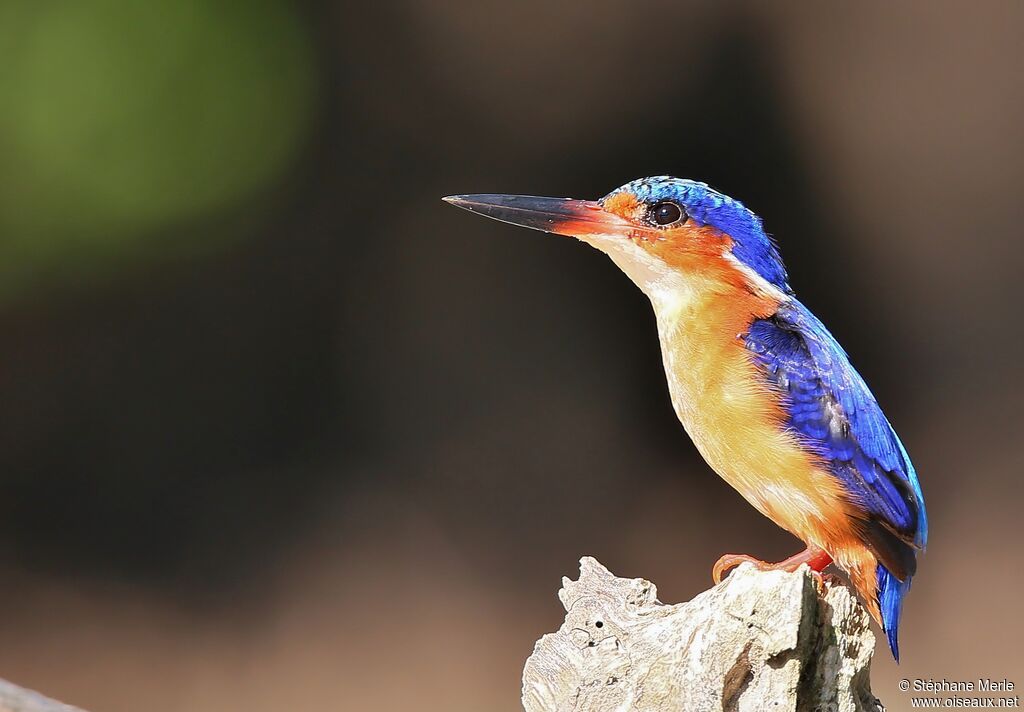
[
  {"x": 697, "y": 248},
  {"x": 695, "y": 240}
]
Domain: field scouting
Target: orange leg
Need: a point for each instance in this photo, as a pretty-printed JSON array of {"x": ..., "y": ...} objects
[{"x": 814, "y": 557}]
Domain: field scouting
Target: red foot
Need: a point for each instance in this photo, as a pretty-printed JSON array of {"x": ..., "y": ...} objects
[{"x": 814, "y": 557}]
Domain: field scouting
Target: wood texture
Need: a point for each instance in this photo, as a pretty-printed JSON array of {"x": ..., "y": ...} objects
[
  {"x": 759, "y": 640},
  {"x": 19, "y": 699}
]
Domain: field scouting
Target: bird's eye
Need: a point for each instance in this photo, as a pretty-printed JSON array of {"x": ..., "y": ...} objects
[{"x": 667, "y": 214}]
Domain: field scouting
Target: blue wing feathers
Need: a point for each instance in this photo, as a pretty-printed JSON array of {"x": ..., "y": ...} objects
[{"x": 830, "y": 405}]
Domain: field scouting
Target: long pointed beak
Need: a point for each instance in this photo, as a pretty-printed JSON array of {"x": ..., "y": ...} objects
[{"x": 562, "y": 216}]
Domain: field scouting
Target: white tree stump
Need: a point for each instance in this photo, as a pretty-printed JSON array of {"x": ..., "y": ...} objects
[
  {"x": 757, "y": 641},
  {"x": 18, "y": 699}
]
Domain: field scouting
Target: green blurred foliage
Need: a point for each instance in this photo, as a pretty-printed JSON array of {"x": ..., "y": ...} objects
[{"x": 120, "y": 120}]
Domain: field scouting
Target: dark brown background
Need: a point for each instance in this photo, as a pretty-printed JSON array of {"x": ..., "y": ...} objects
[{"x": 312, "y": 439}]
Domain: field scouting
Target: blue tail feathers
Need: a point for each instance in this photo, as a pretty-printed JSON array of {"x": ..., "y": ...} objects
[{"x": 890, "y": 601}]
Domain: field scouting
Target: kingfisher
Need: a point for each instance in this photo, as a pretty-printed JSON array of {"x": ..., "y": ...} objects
[{"x": 765, "y": 392}]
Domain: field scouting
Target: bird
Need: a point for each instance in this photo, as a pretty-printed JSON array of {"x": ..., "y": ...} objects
[{"x": 765, "y": 392}]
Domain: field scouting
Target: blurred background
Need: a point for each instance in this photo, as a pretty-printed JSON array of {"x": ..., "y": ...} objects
[{"x": 282, "y": 430}]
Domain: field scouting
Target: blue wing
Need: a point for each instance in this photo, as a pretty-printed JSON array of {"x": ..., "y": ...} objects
[{"x": 832, "y": 409}]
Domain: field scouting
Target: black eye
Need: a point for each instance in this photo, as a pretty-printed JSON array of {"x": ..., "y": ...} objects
[{"x": 667, "y": 213}]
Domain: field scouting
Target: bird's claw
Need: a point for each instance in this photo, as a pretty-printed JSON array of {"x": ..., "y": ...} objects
[
  {"x": 731, "y": 561},
  {"x": 815, "y": 558}
]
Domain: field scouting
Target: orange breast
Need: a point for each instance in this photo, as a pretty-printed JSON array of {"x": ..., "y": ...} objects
[{"x": 734, "y": 416}]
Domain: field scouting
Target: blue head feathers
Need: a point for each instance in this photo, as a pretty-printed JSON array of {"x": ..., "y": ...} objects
[{"x": 752, "y": 245}]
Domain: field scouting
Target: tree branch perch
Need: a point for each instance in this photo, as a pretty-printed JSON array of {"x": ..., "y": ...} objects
[
  {"x": 18, "y": 699},
  {"x": 759, "y": 640}
]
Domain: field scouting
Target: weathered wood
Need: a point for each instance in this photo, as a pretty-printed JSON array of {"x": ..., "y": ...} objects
[
  {"x": 18, "y": 699},
  {"x": 757, "y": 641}
]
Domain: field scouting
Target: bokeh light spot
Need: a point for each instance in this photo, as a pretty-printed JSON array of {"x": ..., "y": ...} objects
[{"x": 122, "y": 119}]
